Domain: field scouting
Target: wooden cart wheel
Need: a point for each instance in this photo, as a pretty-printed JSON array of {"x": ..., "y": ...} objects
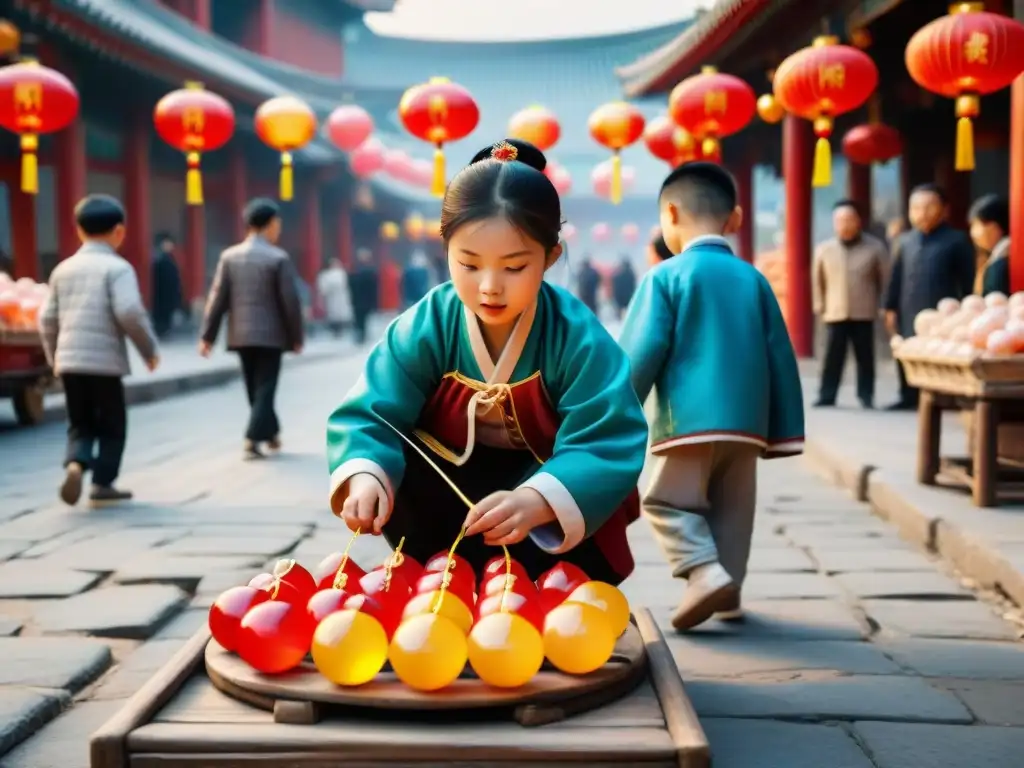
[{"x": 28, "y": 404}]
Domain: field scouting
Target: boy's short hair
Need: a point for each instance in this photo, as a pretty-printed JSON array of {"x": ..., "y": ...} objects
[
  {"x": 930, "y": 189},
  {"x": 260, "y": 212},
  {"x": 702, "y": 190},
  {"x": 661, "y": 248},
  {"x": 991, "y": 209},
  {"x": 847, "y": 202},
  {"x": 98, "y": 215}
]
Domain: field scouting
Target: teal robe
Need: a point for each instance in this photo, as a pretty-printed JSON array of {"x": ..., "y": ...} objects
[
  {"x": 557, "y": 410},
  {"x": 705, "y": 332}
]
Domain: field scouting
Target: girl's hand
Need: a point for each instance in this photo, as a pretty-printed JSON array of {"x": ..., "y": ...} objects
[
  {"x": 507, "y": 517},
  {"x": 361, "y": 510}
]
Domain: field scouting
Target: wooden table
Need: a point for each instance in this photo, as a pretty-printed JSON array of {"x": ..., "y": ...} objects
[
  {"x": 179, "y": 719},
  {"x": 993, "y": 389}
]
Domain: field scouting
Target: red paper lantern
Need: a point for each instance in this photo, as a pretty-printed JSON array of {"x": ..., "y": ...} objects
[
  {"x": 601, "y": 179},
  {"x": 438, "y": 111},
  {"x": 670, "y": 142},
  {"x": 559, "y": 176},
  {"x": 348, "y": 126},
  {"x": 366, "y": 159},
  {"x": 286, "y": 124},
  {"x": 194, "y": 120},
  {"x": 820, "y": 82},
  {"x": 537, "y": 125},
  {"x": 34, "y": 99},
  {"x": 630, "y": 233},
  {"x": 712, "y": 105},
  {"x": 616, "y": 125},
  {"x": 600, "y": 232},
  {"x": 396, "y": 164},
  {"x": 872, "y": 143},
  {"x": 964, "y": 56}
]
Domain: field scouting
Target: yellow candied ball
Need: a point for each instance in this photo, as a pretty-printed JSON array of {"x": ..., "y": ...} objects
[
  {"x": 447, "y": 605},
  {"x": 349, "y": 647},
  {"x": 505, "y": 650},
  {"x": 605, "y": 598},
  {"x": 578, "y": 638},
  {"x": 428, "y": 652}
]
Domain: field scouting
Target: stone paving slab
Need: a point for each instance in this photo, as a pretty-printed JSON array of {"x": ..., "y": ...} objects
[
  {"x": 789, "y": 585},
  {"x": 828, "y": 698},
  {"x": 700, "y": 656},
  {"x": 908, "y": 745},
  {"x": 794, "y": 619},
  {"x": 107, "y": 552},
  {"x": 28, "y": 579},
  {"x": 225, "y": 546},
  {"x": 179, "y": 570},
  {"x": 958, "y": 658},
  {"x": 24, "y": 710},
  {"x": 992, "y": 702},
  {"x": 140, "y": 665},
  {"x": 873, "y": 560},
  {"x": 939, "y": 618},
  {"x": 737, "y": 743},
  {"x": 779, "y": 559},
  {"x": 9, "y": 549},
  {"x": 131, "y": 612},
  {"x": 70, "y": 663},
  {"x": 63, "y": 743},
  {"x": 184, "y": 625},
  {"x": 914, "y": 584},
  {"x": 10, "y": 626}
]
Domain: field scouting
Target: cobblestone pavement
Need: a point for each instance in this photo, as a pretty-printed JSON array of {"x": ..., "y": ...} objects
[{"x": 859, "y": 650}]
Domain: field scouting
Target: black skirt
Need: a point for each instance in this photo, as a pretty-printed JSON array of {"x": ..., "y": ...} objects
[{"x": 429, "y": 514}]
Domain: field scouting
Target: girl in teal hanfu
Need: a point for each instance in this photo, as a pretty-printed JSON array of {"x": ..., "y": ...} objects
[{"x": 510, "y": 383}]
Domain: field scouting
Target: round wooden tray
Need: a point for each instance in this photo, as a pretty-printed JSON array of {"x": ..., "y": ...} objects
[{"x": 299, "y": 695}]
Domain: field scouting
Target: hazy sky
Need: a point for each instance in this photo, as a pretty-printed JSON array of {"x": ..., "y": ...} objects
[{"x": 526, "y": 19}]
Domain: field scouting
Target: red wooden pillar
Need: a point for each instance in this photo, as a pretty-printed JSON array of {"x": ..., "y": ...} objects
[
  {"x": 70, "y": 186},
  {"x": 238, "y": 184},
  {"x": 264, "y": 27},
  {"x": 201, "y": 15},
  {"x": 858, "y": 189},
  {"x": 139, "y": 241},
  {"x": 312, "y": 234},
  {"x": 194, "y": 281},
  {"x": 344, "y": 244},
  {"x": 797, "y": 158},
  {"x": 745, "y": 187},
  {"x": 23, "y": 228}
]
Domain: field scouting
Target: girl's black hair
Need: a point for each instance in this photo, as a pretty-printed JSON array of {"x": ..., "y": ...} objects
[
  {"x": 661, "y": 247},
  {"x": 516, "y": 189}
]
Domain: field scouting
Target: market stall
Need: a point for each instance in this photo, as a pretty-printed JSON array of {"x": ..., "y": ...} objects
[{"x": 24, "y": 372}]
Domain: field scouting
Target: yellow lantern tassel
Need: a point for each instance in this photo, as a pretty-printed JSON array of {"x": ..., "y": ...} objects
[
  {"x": 287, "y": 176},
  {"x": 193, "y": 180},
  {"x": 616, "y": 190},
  {"x": 438, "y": 183},
  {"x": 822, "y": 163},
  {"x": 29, "y": 164},
  {"x": 964, "y": 144}
]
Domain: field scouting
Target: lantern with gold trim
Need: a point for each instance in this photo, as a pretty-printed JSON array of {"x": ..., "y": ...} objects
[
  {"x": 821, "y": 82},
  {"x": 10, "y": 38},
  {"x": 415, "y": 227},
  {"x": 616, "y": 125},
  {"x": 287, "y": 124},
  {"x": 964, "y": 56},
  {"x": 389, "y": 231},
  {"x": 537, "y": 125},
  {"x": 711, "y": 105},
  {"x": 34, "y": 99},
  {"x": 670, "y": 142},
  {"x": 769, "y": 109},
  {"x": 438, "y": 111},
  {"x": 194, "y": 120}
]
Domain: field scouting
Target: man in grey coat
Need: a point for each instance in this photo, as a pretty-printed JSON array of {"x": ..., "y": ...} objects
[
  {"x": 255, "y": 285},
  {"x": 94, "y": 303}
]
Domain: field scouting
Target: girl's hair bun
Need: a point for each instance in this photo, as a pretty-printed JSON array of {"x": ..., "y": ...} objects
[{"x": 513, "y": 150}]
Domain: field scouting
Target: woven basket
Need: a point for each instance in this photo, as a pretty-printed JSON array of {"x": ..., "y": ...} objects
[{"x": 978, "y": 376}]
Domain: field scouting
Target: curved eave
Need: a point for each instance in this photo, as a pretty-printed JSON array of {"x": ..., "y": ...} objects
[{"x": 664, "y": 67}]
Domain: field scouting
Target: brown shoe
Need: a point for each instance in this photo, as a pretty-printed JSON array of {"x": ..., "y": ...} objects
[
  {"x": 274, "y": 444},
  {"x": 731, "y": 612},
  {"x": 71, "y": 488},
  {"x": 709, "y": 590}
]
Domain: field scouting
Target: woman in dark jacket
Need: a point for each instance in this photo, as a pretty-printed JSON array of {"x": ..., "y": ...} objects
[{"x": 990, "y": 228}]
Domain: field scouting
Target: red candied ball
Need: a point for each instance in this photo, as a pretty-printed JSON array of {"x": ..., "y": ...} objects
[
  {"x": 227, "y": 611},
  {"x": 275, "y": 636},
  {"x": 496, "y": 585},
  {"x": 278, "y": 589},
  {"x": 527, "y": 607},
  {"x": 564, "y": 577},
  {"x": 547, "y": 599},
  {"x": 374, "y": 582},
  {"x": 462, "y": 588},
  {"x": 440, "y": 561},
  {"x": 326, "y": 572},
  {"x": 290, "y": 572},
  {"x": 325, "y": 602},
  {"x": 388, "y": 613},
  {"x": 496, "y": 566},
  {"x": 409, "y": 567}
]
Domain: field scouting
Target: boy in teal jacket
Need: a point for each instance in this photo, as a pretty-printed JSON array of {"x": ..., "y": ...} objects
[{"x": 705, "y": 332}]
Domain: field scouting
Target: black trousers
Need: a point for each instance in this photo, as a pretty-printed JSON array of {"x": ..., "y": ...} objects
[
  {"x": 359, "y": 319},
  {"x": 860, "y": 334},
  {"x": 97, "y": 424},
  {"x": 908, "y": 394},
  {"x": 261, "y": 368}
]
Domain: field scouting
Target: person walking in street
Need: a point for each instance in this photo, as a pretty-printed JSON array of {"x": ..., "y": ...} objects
[
  {"x": 847, "y": 281},
  {"x": 332, "y": 287},
  {"x": 167, "y": 293},
  {"x": 588, "y": 282},
  {"x": 415, "y": 279},
  {"x": 706, "y": 334},
  {"x": 94, "y": 303},
  {"x": 931, "y": 262},
  {"x": 364, "y": 286},
  {"x": 623, "y": 286},
  {"x": 255, "y": 285},
  {"x": 990, "y": 231}
]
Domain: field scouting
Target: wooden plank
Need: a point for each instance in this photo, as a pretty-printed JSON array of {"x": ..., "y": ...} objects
[
  {"x": 367, "y": 740},
  {"x": 108, "y": 746},
  {"x": 307, "y": 761},
  {"x": 684, "y": 729},
  {"x": 199, "y": 701}
]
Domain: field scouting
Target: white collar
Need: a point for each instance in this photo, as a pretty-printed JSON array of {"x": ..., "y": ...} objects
[
  {"x": 707, "y": 240},
  {"x": 500, "y": 372}
]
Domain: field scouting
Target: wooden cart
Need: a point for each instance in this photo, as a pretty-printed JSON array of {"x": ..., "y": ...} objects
[
  {"x": 992, "y": 388},
  {"x": 218, "y": 715},
  {"x": 25, "y": 375}
]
